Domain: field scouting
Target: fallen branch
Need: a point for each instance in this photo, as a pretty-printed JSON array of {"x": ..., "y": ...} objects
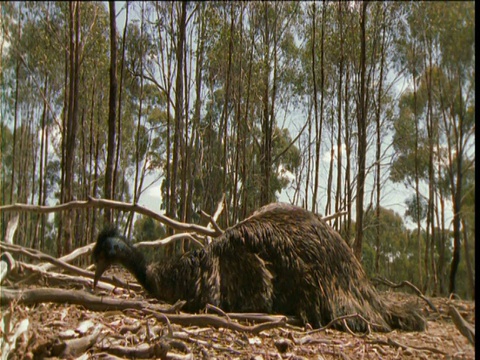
[
  {"x": 75, "y": 347},
  {"x": 261, "y": 318},
  {"x": 84, "y": 250},
  {"x": 112, "y": 204},
  {"x": 408, "y": 284},
  {"x": 7, "y": 264},
  {"x": 74, "y": 297},
  {"x": 343, "y": 318},
  {"x": 38, "y": 255},
  {"x": 158, "y": 350},
  {"x": 390, "y": 342},
  {"x": 11, "y": 228},
  {"x": 215, "y": 321},
  {"x": 60, "y": 278},
  {"x": 465, "y": 328}
]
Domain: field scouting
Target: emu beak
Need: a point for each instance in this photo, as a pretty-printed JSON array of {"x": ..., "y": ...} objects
[{"x": 100, "y": 268}]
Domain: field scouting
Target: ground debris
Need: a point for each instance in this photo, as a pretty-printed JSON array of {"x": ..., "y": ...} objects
[{"x": 65, "y": 330}]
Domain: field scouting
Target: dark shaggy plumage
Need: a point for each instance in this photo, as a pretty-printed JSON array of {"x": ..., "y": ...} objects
[{"x": 283, "y": 259}]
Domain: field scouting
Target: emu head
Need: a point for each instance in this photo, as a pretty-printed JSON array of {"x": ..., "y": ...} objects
[{"x": 107, "y": 251}]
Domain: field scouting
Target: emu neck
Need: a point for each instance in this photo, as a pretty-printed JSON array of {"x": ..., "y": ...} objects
[{"x": 134, "y": 261}]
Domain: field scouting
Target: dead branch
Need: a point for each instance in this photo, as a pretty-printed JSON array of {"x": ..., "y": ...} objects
[
  {"x": 97, "y": 303},
  {"x": 11, "y": 228},
  {"x": 38, "y": 255},
  {"x": 84, "y": 250},
  {"x": 408, "y": 284},
  {"x": 343, "y": 318},
  {"x": 60, "y": 278},
  {"x": 334, "y": 216},
  {"x": 257, "y": 318},
  {"x": 112, "y": 204},
  {"x": 215, "y": 321},
  {"x": 7, "y": 264},
  {"x": 74, "y": 297},
  {"x": 391, "y": 342},
  {"x": 465, "y": 328},
  {"x": 75, "y": 347},
  {"x": 168, "y": 240},
  {"x": 213, "y": 219},
  {"x": 184, "y": 335},
  {"x": 158, "y": 350}
]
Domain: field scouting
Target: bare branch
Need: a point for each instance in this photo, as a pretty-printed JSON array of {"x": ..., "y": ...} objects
[
  {"x": 334, "y": 216},
  {"x": 35, "y": 254},
  {"x": 168, "y": 240},
  {"x": 112, "y": 204},
  {"x": 408, "y": 284},
  {"x": 11, "y": 229}
]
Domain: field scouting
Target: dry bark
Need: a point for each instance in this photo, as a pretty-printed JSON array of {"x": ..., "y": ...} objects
[{"x": 465, "y": 328}]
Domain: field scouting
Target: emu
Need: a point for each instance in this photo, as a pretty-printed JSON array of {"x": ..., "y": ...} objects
[{"x": 282, "y": 259}]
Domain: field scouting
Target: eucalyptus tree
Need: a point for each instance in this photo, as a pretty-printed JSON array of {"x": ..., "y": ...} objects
[
  {"x": 112, "y": 108},
  {"x": 456, "y": 41},
  {"x": 439, "y": 112}
]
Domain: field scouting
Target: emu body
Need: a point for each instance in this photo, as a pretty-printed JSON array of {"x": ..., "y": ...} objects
[{"x": 283, "y": 259}]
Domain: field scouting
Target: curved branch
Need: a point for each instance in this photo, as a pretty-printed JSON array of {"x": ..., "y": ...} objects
[
  {"x": 168, "y": 240},
  {"x": 36, "y": 254},
  {"x": 408, "y": 284},
  {"x": 112, "y": 204}
]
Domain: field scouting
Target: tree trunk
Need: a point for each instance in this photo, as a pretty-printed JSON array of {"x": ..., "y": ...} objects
[
  {"x": 379, "y": 151},
  {"x": 177, "y": 135},
  {"x": 457, "y": 190},
  {"x": 362, "y": 138},
  {"x": 112, "y": 106},
  {"x": 318, "y": 123},
  {"x": 119, "y": 114},
  {"x": 71, "y": 125},
  {"x": 266, "y": 155},
  {"x": 338, "y": 197}
]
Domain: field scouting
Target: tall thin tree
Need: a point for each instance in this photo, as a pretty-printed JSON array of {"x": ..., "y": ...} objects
[{"x": 112, "y": 106}]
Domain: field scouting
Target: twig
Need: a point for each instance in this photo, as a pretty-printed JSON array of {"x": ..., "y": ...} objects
[
  {"x": 74, "y": 347},
  {"x": 261, "y": 318},
  {"x": 343, "y": 318},
  {"x": 408, "y": 284},
  {"x": 158, "y": 350},
  {"x": 218, "y": 311},
  {"x": 112, "y": 204},
  {"x": 394, "y": 343}
]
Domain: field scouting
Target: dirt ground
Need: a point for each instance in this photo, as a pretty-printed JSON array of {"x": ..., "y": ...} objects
[{"x": 48, "y": 330}]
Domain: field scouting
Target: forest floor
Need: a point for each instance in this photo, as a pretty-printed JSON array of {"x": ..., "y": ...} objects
[{"x": 62, "y": 330}]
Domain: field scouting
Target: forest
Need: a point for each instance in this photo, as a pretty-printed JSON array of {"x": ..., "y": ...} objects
[{"x": 345, "y": 108}]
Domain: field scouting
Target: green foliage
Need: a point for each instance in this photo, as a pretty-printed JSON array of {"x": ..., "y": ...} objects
[
  {"x": 147, "y": 229},
  {"x": 416, "y": 208}
]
